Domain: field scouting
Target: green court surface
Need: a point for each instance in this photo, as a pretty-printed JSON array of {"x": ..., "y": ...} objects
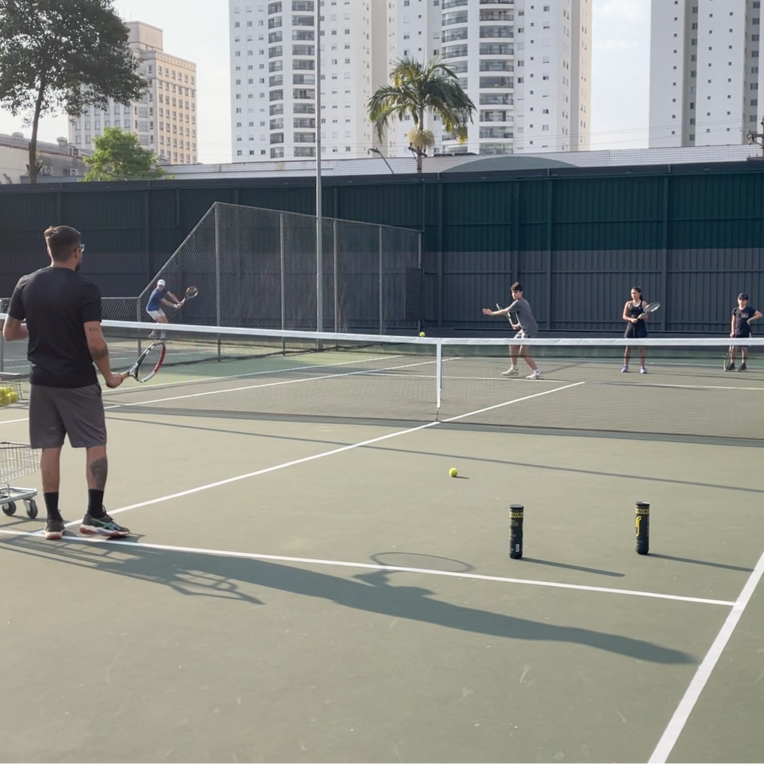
[{"x": 307, "y": 586}]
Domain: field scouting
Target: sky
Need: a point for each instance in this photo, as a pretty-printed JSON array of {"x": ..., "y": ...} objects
[{"x": 620, "y": 71}]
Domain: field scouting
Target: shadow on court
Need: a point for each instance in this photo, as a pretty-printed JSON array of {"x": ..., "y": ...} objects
[
  {"x": 193, "y": 574},
  {"x": 464, "y": 457}
]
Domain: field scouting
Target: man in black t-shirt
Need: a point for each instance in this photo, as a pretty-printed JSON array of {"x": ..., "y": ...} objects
[
  {"x": 62, "y": 311},
  {"x": 740, "y": 326}
]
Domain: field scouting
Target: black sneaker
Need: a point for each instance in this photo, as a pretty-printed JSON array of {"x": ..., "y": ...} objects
[
  {"x": 730, "y": 367},
  {"x": 742, "y": 367},
  {"x": 54, "y": 528},
  {"x": 102, "y": 526}
]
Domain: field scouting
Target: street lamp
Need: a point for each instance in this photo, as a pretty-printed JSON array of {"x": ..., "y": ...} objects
[{"x": 377, "y": 151}]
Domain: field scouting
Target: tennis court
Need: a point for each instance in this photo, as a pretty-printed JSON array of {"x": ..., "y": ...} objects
[{"x": 307, "y": 583}]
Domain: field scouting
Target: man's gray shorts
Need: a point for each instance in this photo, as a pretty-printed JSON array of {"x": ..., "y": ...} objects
[{"x": 55, "y": 412}]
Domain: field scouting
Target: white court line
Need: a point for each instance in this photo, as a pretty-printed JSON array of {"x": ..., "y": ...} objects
[
  {"x": 687, "y": 704},
  {"x": 263, "y": 471},
  {"x": 13, "y": 421},
  {"x": 391, "y": 568},
  {"x": 694, "y": 387},
  {"x": 636, "y": 385},
  {"x": 255, "y": 386},
  {"x": 227, "y": 377},
  {"x": 306, "y": 459},
  {"x": 259, "y": 386},
  {"x": 509, "y": 403}
]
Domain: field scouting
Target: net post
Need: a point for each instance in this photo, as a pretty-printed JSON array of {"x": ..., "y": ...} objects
[
  {"x": 282, "y": 280},
  {"x": 335, "y": 232},
  {"x": 438, "y": 375},
  {"x": 381, "y": 284},
  {"x": 138, "y": 318},
  {"x": 217, "y": 273}
]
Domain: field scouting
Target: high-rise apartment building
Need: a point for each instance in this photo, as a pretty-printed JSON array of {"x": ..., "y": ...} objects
[
  {"x": 704, "y": 72},
  {"x": 273, "y": 77},
  {"x": 526, "y": 64},
  {"x": 164, "y": 119}
]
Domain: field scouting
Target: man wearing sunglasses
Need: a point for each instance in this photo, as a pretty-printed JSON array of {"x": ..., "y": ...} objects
[{"x": 62, "y": 314}]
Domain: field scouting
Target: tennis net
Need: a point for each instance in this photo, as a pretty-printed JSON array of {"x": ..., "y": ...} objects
[{"x": 230, "y": 371}]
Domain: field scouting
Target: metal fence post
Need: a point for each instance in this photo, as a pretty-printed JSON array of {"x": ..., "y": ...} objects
[
  {"x": 420, "y": 266},
  {"x": 335, "y": 234},
  {"x": 217, "y": 273},
  {"x": 381, "y": 284},
  {"x": 663, "y": 290},
  {"x": 282, "y": 279}
]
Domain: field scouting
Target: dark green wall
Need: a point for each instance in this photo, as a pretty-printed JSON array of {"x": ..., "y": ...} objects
[{"x": 690, "y": 234}]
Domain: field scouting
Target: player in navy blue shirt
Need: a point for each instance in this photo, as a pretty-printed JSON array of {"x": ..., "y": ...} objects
[
  {"x": 159, "y": 296},
  {"x": 740, "y": 326}
]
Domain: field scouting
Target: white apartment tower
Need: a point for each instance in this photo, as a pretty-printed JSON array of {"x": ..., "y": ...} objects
[
  {"x": 526, "y": 64},
  {"x": 273, "y": 77},
  {"x": 165, "y": 118},
  {"x": 704, "y": 72}
]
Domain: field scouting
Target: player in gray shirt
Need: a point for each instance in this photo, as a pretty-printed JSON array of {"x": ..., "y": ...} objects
[{"x": 528, "y": 329}]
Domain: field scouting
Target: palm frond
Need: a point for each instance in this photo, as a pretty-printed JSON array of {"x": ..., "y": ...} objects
[{"x": 417, "y": 89}]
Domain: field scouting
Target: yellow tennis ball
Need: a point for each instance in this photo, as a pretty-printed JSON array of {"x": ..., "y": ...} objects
[
  {"x": 421, "y": 334},
  {"x": 453, "y": 472},
  {"x": 13, "y": 397}
]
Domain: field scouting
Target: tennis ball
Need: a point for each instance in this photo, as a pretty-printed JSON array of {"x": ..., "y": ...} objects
[
  {"x": 421, "y": 334},
  {"x": 13, "y": 397},
  {"x": 453, "y": 472}
]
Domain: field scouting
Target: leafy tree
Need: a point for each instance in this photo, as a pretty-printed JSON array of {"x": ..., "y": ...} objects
[
  {"x": 119, "y": 156},
  {"x": 63, "y": 55},
  {"x": 418, "y": 89}
]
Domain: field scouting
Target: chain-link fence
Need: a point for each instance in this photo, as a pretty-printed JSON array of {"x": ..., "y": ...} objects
[
  {"x": 121, "y": 309},
  {"x": 258, "y": 268}
]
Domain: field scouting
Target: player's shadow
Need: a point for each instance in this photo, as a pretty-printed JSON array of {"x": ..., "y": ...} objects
[{"x": 240, "y": 579}]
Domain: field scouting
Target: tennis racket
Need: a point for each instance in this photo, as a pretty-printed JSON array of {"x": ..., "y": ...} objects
[
  {"x": 148, "y": 364},
  {"x": 191, "y": 292},
  {"x": 511, "y": 317},
  {"x": 728, "y": 359},
  {"x": 651, "y": 307}
]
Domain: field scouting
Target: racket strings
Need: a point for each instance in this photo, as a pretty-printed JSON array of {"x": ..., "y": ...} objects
[{"x": 151, "y": 361}]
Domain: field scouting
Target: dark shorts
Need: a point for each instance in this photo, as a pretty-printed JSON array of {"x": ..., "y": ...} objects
[
  {"x": 55, "y": 412},
  {"x": 636, "y": 331}
]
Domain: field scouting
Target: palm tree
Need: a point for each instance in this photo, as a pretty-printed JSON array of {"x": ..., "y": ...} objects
[{"x": 419, "y": 88}]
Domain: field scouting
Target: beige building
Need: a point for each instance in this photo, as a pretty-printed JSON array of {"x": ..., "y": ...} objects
[
  {"x": 60, "y": 161},
  {"x": 164, "y": 119}
]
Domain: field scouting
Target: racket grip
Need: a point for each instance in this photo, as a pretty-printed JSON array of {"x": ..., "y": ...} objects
[
  {"x": 516, "y": 517},
  {"x": 643, "y": 527}
]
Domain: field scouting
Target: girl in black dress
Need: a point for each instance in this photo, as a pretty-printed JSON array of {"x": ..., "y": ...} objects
[{"x": 635, "y": 327}]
